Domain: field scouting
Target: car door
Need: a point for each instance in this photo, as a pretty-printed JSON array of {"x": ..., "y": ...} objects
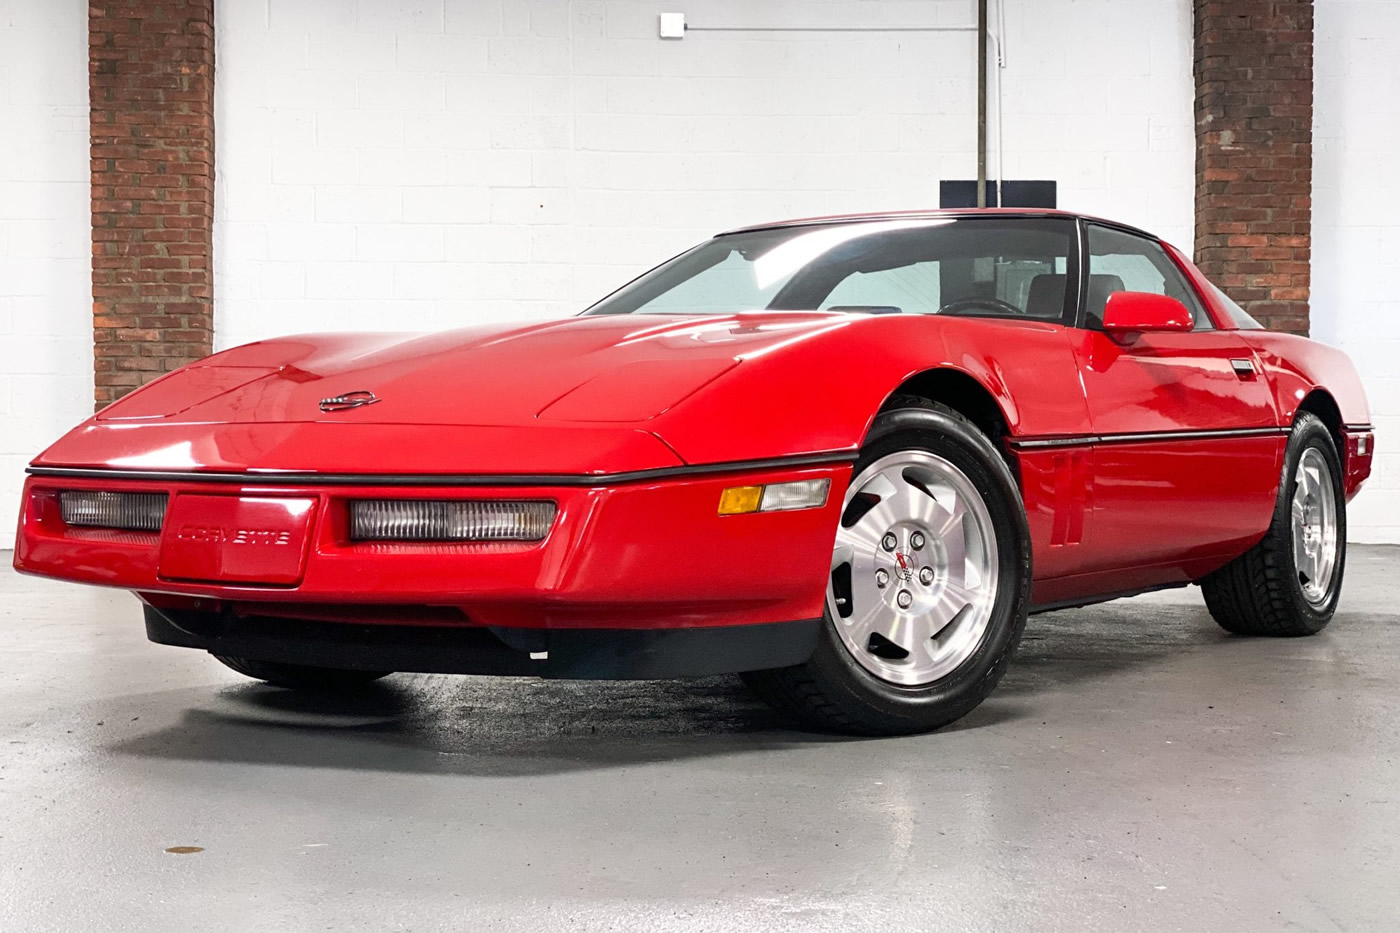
[{"x": 1186, "y": 441}]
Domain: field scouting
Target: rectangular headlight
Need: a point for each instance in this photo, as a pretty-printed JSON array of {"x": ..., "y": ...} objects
[
  {"x": 129, "y": 511},
  {"x": 450, "y": 520},
  {"x": 776, "y": 497}
]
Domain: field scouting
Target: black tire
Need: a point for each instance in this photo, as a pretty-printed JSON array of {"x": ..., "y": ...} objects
[
  {"x": 831, "y": 691},
  {"x": 1260, "y": 593},
  {"x": 301, "y": 676}
]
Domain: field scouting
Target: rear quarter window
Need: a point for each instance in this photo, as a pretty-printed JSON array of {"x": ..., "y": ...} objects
[{"x": 1239, "y": 316}]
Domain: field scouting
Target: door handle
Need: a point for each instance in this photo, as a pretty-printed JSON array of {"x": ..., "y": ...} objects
[{"x": 1244, "y": 369}]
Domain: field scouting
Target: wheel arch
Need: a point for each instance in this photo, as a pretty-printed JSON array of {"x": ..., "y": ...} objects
[
  {"x": 962, "y": 393},
  {"x": 1320, "y": 402},
  {"x": 970, "y": 398}
]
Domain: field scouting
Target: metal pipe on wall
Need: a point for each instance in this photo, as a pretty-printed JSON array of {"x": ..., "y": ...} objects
[
  {"x": 999, "y": 37},
  {"x": 982, "y": 104}
]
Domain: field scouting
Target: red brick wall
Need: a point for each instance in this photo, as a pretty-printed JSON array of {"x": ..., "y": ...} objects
[
  {"x": 151, "y": 90},
  {"x": 1254, "y": 81}
]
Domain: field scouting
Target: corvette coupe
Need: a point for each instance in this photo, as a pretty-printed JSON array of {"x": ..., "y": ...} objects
[{"x": 844, "y": 457}]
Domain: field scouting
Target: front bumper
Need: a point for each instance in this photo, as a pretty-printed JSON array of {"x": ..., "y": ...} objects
[{"x": 635, "y": 555}]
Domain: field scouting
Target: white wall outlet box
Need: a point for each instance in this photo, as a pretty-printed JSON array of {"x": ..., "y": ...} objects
[{"x": 673, "y": 25}]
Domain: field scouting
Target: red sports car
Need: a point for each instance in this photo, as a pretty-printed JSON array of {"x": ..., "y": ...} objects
[{"x": 845, "y": 457}]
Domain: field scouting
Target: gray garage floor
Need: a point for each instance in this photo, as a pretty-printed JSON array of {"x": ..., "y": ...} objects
[{"x": 1137, "y": 770}]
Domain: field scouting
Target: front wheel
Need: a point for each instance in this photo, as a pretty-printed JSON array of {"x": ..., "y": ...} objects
[
  {"x": 1289, "y": 583},
  {"x": 929, "y": 585}
]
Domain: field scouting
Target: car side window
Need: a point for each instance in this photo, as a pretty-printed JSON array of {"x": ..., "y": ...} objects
[{"x": 1120, "y": 262}]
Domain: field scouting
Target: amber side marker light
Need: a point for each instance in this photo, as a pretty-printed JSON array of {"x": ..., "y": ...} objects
[{"x": 776, "y": 497}]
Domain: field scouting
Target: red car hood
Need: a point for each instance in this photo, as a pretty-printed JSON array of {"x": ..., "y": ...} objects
[
  {"x": 574, "y": 395},
  {"x": 614, "y": 368}
]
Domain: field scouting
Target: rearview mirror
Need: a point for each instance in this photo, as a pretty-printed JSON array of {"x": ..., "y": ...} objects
[{"x": 1135, "y": 312}]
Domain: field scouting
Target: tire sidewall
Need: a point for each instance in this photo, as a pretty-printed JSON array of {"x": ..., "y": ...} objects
[
  {"x": 956, "y": 693},
  {"x": 1310, "y": 432}
]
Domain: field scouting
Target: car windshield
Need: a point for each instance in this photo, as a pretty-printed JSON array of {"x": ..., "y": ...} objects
[{"x": 981, "y": 266}]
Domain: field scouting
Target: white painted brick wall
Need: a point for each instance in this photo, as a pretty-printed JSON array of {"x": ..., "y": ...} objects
[
  {"x": 420, "y": 164},
  {"x": 1356, "y": 226},
  {"x": 45, "y": 303},
  {"x": 423, "y": 164}
]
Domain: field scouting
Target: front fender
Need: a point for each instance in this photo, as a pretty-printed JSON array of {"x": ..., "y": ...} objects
[{"x": 821, "y": 391}]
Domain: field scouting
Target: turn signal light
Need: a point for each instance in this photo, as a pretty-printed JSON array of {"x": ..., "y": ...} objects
[
  {"x": 737, "y": 500},
  {"x": 450, "y": 520},
  {"x": 128, "y": 511},
  {"x": 777, "y": 497}
]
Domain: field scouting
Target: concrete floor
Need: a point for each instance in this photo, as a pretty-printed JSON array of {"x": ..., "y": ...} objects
[{"x": 1137, "y": 769}]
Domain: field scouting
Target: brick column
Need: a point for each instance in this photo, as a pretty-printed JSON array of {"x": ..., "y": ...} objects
[
  {"x": 151, "y": 92},
  {"x": 1254, "y": 91}
]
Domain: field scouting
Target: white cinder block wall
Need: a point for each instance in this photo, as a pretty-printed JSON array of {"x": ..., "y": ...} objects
[
  {"x": 424, "y": 163},
  {"x": 1356, "y": 226},
  {"x": 45, "y": 297}
]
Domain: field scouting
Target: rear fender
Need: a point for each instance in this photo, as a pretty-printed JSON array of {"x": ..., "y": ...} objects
[
  {"x": 1306, "y": 375},
  {"x": 1296, "y": 366}
]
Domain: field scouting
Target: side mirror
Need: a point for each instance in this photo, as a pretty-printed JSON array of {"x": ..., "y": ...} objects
[{"x": 1136, "y": 312}]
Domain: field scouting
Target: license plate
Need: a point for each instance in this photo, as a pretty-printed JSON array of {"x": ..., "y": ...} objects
[{"x": 236, "y": 539}]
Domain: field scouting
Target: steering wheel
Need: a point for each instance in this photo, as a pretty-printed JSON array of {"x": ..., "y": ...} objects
[{"x": 995, "y": 304}]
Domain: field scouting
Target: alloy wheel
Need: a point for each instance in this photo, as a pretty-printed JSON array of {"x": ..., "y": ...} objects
[
  {"x": 1314, "y": 520},
  {"x": 914, "y": 570}
]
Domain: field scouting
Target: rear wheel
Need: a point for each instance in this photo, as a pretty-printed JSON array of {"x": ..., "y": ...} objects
[
  {"x": 301, "y": 676},
  {"x": 929, "y": 585},
  {"x": 1289, "y": 583}
]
